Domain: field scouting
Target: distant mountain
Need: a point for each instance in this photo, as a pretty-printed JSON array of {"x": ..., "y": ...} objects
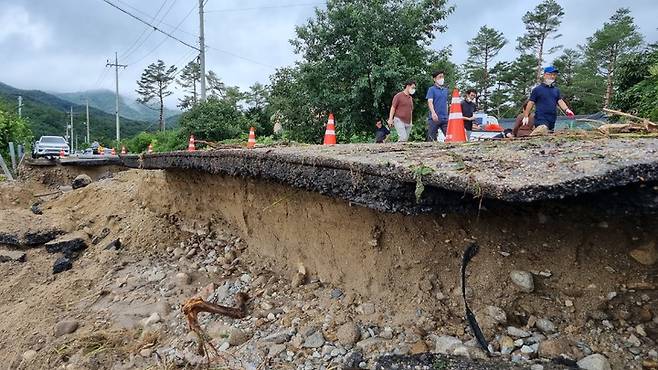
[
  {"x": 49, "y": 115},
  {"x": 105, "y": 101}
]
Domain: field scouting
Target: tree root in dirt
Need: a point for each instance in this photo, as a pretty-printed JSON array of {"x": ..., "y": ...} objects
[{"x": 194, "y": 306}]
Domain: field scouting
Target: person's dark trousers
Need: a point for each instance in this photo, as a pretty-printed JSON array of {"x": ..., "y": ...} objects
[
  {"x": 432, "y": 130},
  {"x": 444, "y": 127}
]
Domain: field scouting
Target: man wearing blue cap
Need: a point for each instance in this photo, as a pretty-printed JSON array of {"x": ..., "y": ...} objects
[{"x": 545, "y": 97}]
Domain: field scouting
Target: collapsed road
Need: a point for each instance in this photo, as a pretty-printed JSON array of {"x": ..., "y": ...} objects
[{"x": 352, "y": 255}]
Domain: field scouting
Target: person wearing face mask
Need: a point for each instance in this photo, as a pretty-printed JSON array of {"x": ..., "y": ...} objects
[
  {"x": 545, "y": 97},
  {"x": 402, "y": 110},
  {"x": 437, "y": 100},
  {"x": 468, "y": 109}
]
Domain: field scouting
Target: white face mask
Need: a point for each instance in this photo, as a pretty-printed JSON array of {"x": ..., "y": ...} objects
[
  {"x": 412, "y": 91},
  {"x": 440, "y": 81},
  {"x": 549, "y": 81}
]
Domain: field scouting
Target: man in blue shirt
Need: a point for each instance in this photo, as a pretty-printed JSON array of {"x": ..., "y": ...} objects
[
  {"x": 545, "y": 97},
  {"x": 437, "y": 100}
]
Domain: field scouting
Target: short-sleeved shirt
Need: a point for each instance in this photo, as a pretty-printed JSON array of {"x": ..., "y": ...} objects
[
  {"x": 439, "y": 96},
  {"x": 545, "y": 99},
  {"x": 468, "y": 109},
  {"x": 404, "y": 107},
  {"x": 381, "y": 133}
]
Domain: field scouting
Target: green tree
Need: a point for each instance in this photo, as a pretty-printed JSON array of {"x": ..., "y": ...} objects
[
  {"x": 12, "y": 129},
  {"x": 154, "y": 84},
  {"x": 188, "y": 79},
  {"x": 579, "y": 84},
  {"x": 213, "y": 120},
  {"x": 355, "y": 55},
  {"x": 215, "y": 85},
  {"x": 258, "y": 112},
  {"x": 518, "y": 80},
  {"x": 541, "y": 25},
  {"x": 609, "y": 45},
  {"x": 482, "y": 49},
  {"x": 637, "y": 84}
]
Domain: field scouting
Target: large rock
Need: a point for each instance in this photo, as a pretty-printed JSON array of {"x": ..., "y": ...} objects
[
  {"x": 545, "y": 326},
  {"x": 594, "y": 362},
  {"x": 523, "y": 280},
  {"x": 315, "y": 340},
  {"x": 348, "y": 334},
  {"x": 12, "y": 256},
  {"x": 65, "y": 327},
  {"x": 81, "y": 181},
  {"x": 69, "y": 245}
]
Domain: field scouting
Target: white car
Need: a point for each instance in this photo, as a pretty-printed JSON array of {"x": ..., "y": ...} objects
[{"x": 50, "y": 146}]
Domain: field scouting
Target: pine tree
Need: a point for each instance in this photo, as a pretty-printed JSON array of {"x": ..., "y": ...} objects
[
  {"x": 541, "y": 25},
  {"x": 189, "y": 78},
  {"x": 482, "y": 49},
  {"x": 154, "y": 84},
  {"x": 216, "y": 87},
  {"x": 607, "y": 46}
]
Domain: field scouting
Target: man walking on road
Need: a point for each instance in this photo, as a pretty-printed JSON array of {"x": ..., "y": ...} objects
[
  {"x": 402, "y": 109},
  {"x": 545, "y": 97},
  {"x": 437, "y": 100}
]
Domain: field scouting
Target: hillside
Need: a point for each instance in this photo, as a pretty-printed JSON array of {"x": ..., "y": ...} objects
[
  {"x": 104, "y": 100},
  {"x": 48, "y": 115}
]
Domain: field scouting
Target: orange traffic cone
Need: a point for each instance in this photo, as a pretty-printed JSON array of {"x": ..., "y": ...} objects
[
  {"x": 123, "y": 149},
  {"x": 330, "y": 132},
  {"x": 61, "y": 153},
  {"x": 456, "y": 132},
  {"x": 114, "y": 152},
  {"x": 150, "y": 149},
  {"x": 252, "y": 138},
  {"x": 190, "y": 146}
]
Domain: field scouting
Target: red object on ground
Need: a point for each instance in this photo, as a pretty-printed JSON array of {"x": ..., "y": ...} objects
[
  {"x": 191, "y": 147},
  {"x": 252, "y": 138},
  {"x": 456, "y": 132},
  {"x": 330, "y": 132}
]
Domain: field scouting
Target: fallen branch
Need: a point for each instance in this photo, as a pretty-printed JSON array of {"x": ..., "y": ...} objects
[
  {"x": 194, "y": 306},
  {"x": 620, "y": 113}
]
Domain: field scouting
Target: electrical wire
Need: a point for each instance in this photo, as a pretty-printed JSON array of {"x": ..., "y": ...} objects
[
  {"x": 264, "y": 8},
  {"x": 153, "y": 19}
]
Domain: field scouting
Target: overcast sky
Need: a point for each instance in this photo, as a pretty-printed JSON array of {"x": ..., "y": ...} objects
[{"x": 63, "y": 45}]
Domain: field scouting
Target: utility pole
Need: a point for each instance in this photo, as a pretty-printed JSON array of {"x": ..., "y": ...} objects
[
  {"x": 20, "y": 106},
  {"x": 116, "y": 66},
  {"x": 71, "y": 129},
  {"x": 88, "y": 142},
  {"x": 202, "y": 52}
]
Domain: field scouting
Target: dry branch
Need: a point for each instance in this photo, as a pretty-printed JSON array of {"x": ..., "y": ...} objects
[
  {"x": 623, "y": 114},
  {"x": 194, "y": 306}
]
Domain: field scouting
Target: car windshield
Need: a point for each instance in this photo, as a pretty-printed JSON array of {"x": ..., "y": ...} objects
[{"x": 53, "y": 140}]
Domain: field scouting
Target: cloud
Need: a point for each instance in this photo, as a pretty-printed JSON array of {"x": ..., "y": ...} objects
[{"x": 18, "y": 27}]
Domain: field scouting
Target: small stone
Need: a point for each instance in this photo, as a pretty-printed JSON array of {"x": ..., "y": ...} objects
[
  {"x": 419, "y": 347},
  {"x": 145, "y": 352},
  {"x": 553, "y": 348},
  {"x": 29, "y": 355},
  {"x": 446, "y": 344},
  {"x": 336, "y": 293},
  {"x": 191, "y": 253},
  {"x": 387, "y": 333},
  {"x": 315, "y": 340},
  {"x": 276, "y": 350},
  {"x": 178, "y": 252},
  {"x": 646, "y": 254},
  {"x": 62, "y": 264},
  {"x": 461, "y": 351},
  {"x": 366, "y": 309},
  {"x": 634, "y": 341},
  {"x": 568, "y": 303},
  {"x": 523, "y": 280},
  {"x": 65, "y": 327},
  {"x": 298, "y": 279},
  {"x": 527, "y": 349},
  {"x": 515, "y": 332},
  {"x": 151, "y": 320},
  {"x": 506, "y": 345},
  {"x": 594, "y": 362},
  {"x": 81, "y": 181},
  {"x": 278, "y": 338},
  {"x": 183, "y": 279},
  {"x": 653, "y": 354},
  {"x": 545, "y": 326},
  {"x": 497, "y": 314},
  {"x": 367, "y": 344},
  {"x": 237, "y": 337},
  {"x": 536, "y": 367},
  {"x": 348, "y": 334}
]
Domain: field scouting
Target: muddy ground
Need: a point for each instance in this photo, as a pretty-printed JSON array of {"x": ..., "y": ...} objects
[{"x": 389, "y": 280}]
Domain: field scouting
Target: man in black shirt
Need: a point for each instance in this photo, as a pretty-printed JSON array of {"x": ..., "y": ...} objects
[
  {"x": 382, "y": 132},
  {"x": 468, "y": 109}
]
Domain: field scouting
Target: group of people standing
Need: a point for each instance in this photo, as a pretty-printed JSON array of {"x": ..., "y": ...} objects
[{"x": 544, "y": 98}]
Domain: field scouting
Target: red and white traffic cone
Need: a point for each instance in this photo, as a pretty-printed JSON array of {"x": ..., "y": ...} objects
[
  {"x": 330, "y": 132},
  {"x": 456, "y": 132},
  {"x": 123, "y": 149},
  {"x": 252, "y": 138},
  {"x": 190, "y": 145},
  {"x": 61, "y": 153},
  {"x": 114, "y": 152}
]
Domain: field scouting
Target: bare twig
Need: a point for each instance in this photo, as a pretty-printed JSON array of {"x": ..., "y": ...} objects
[{"x": 623, "y": 114}]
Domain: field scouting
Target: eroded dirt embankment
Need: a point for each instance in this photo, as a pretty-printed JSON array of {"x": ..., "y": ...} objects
[{"x": 409, "y": 261}]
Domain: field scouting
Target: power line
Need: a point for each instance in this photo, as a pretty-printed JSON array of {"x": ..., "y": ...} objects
[
  {"x": 153, "y": 19},
  {"x": 165, "y": 39},
  {"x": 241, "y": 57},
  {"x": 148, "y": 15},
  {"x": 148, "y": 24},
  {"x": 264, "y": 7}
]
